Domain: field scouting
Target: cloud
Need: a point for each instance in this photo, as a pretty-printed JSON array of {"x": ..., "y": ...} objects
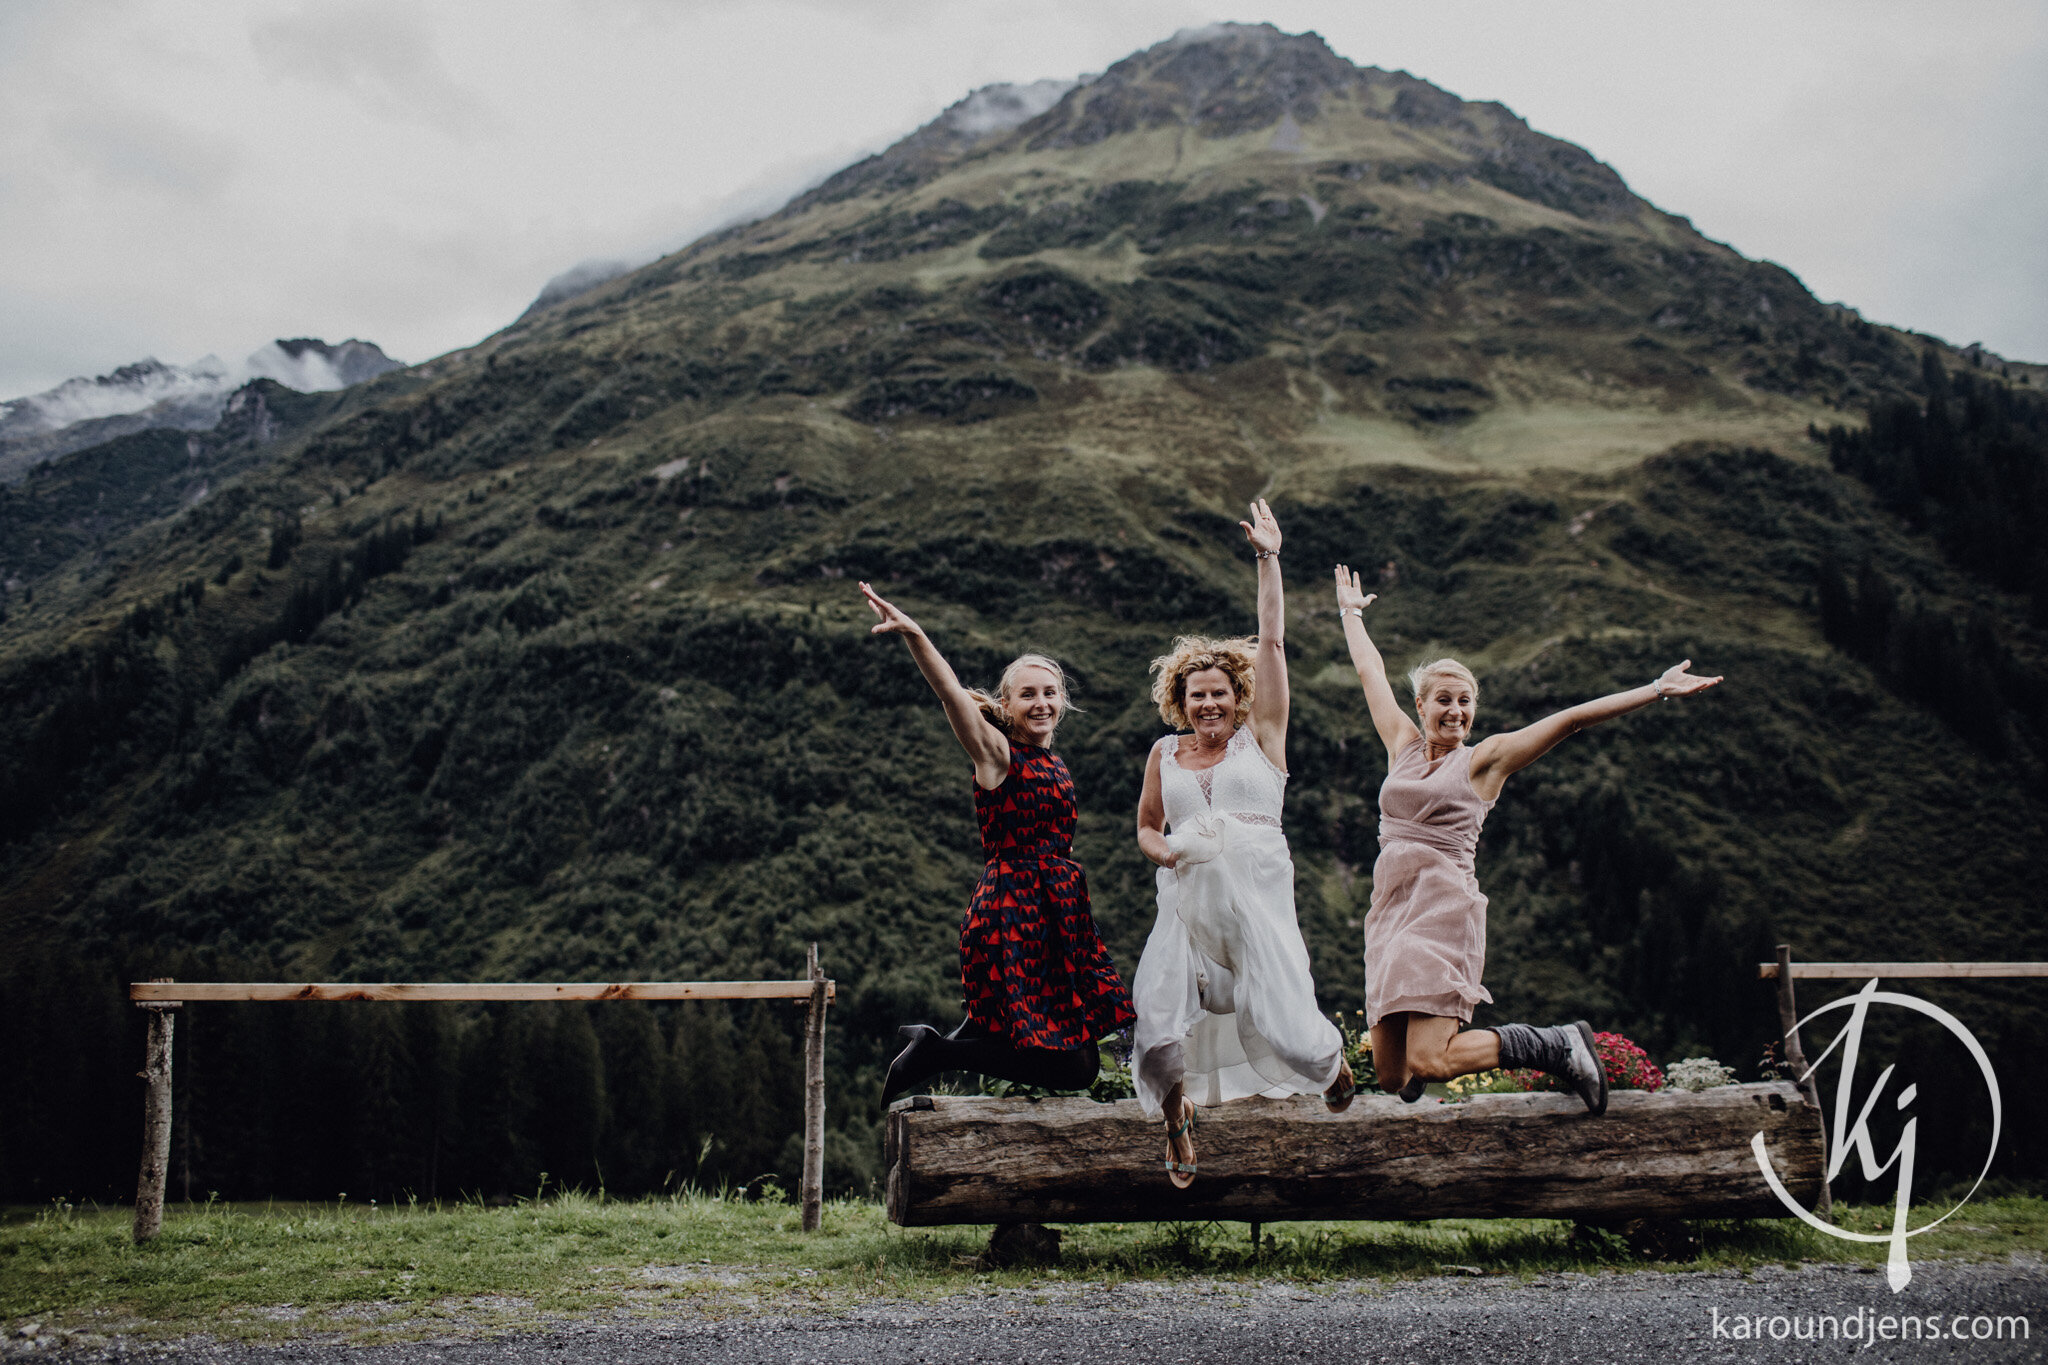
[
  {"x": 179, "y": 178},
  {"x": 133, "y": 149},
  {"x": 380, "y": 55},
  {"x": 1006, "y": 105},
  {"x": 677, "y": 227}
]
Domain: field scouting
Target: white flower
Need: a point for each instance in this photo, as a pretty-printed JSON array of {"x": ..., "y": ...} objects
[{"x": 1697, "y": 1073}]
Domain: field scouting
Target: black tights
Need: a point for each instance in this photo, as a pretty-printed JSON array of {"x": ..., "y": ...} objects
[{"x": 968, "y": 1048}]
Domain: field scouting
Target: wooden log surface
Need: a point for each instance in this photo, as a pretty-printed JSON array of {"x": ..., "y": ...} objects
[
  {"x": 1670, "y": 1154},
  {"x": 413, "y": 991},
  {"x": 1863, "y": 971}
]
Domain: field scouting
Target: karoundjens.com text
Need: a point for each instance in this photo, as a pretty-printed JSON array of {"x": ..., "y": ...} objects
[{"x": 1864, "y": 1325}]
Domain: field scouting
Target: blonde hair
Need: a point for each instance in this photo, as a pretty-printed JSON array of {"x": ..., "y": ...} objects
[
  {"x": 1442, "y": 668},
  {"x": 1192, "y": 654},
  {"x": 992, "y": 705}
]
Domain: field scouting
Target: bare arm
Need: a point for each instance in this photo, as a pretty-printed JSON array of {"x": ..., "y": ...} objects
[
  {"x": 987, "y": 747},
  {"x": 1396, "y": 731},
  {"x": 1152, "y": 816},
  {"x": 1269, "y": 697},
  {"x": 1498, "y": 757}
]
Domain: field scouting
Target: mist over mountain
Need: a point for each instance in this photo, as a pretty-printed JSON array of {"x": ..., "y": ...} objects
[
  {"x": 541, "y": 660},
  {"x": 149, "y": 394},
  {"x": 992, "y": 108}
]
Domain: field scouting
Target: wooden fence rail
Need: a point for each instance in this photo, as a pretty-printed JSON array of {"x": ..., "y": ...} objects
[
  {"x": 1785, "y": 971},
  {"x": 162, "y": 997},
  {"x": 1863, "y": 971},
  {"x": 415, "y": 992}
]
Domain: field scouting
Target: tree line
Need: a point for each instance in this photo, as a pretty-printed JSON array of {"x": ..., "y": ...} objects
[
  {"x": 1968, "y": 466},
  {"x": 386, "y": 1102}
]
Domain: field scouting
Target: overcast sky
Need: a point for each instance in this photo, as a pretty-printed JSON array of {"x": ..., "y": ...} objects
[{"x": 180, "y": 177}]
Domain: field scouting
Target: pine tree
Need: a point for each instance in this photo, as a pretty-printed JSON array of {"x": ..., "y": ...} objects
[
  {"x": 569, "y": 1085},
  {"x": 634, "y": 1147}
]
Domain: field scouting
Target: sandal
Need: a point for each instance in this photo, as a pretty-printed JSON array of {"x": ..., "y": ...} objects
[
  {"x": 1338, "y": 1097},
  {"x": 1181, "y": 1173}
]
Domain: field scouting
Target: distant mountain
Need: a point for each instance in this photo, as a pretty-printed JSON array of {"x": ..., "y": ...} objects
[
  {"x": 78, "y": 503},
  {"x": 150, "y": 394},
  {"x": 542, "y": 660}
]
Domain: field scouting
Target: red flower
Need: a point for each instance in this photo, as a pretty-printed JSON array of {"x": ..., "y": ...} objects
[{"x": 1628, "y": 1067}]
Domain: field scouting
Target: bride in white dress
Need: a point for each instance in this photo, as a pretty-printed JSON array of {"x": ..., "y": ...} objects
[{"x": 1226, "y": 1005}]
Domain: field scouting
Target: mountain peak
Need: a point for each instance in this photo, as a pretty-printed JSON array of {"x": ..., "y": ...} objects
[{"x": 1222, "y": 79}]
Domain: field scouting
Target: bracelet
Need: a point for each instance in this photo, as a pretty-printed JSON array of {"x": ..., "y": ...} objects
[
  {"x": 1266, "y": 554},
  {"x": 1657, "y": 687},
  {"x": 1343, "y": 612}
]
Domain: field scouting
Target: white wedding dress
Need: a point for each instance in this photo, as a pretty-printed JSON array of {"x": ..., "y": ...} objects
[{"x": 1225, "y": 1001}]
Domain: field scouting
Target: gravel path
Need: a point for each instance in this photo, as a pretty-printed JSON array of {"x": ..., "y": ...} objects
[{"x": 1642, "y": 1316}]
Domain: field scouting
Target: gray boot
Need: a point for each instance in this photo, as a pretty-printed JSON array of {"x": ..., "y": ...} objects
[{"x": 1566, "y": 1051}]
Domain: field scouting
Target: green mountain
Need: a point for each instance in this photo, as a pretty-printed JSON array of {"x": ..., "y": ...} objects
[{"x": 542, "y": 660}]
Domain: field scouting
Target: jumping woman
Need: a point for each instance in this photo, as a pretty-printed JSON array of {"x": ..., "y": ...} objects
[
  {"x": 1226, "y": 1005},
  {"x": 1039, "y": 985},
  {"x": 1425, "y": 933}
]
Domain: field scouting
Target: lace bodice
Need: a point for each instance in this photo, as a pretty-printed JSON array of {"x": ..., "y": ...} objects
[{"x": 1245, "y": 785}]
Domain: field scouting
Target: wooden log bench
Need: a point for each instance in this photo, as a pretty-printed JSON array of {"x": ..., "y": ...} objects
[{"x": 1666, "y": 1155}]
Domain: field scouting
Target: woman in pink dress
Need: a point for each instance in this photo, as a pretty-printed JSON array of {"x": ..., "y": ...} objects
[{"x": 1425, "y": 934}]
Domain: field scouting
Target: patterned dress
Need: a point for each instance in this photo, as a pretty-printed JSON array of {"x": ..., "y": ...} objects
[{"x": 1033, "y": 970}]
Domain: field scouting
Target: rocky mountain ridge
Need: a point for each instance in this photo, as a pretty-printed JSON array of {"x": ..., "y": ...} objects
[{"x": 84, "y": 412}]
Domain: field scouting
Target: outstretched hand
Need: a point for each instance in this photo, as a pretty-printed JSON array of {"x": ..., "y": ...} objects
[
  {"x": 1351, "y": 590},
  {"x": 1262, "y": 531},
  {"x": 894, "y": 621},
  {"x": 1676, "y": 682}
]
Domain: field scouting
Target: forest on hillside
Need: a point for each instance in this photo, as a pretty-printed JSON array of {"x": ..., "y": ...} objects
[{"x": 701, "y": 792}]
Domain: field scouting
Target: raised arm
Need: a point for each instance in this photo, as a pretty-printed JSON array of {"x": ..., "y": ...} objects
[
  {"x": 986, "y": 746},
  {"x": 1269, "y": 697},
  {"x": 1397, "y": 732},
  {"x": 1498, "y": 757}
]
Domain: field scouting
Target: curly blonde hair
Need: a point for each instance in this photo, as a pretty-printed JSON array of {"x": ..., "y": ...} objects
[
  {"x": 1419, "y": 677},
  {"x": 992, "y": 705},
  {"x": 1192, "y": 654}
]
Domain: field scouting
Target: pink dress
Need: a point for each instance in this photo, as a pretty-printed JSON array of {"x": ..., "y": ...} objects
[{"x": 1425, "y": 935}]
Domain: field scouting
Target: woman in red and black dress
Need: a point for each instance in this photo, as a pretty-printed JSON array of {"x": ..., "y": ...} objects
[{"x": 1039, "y": 986}]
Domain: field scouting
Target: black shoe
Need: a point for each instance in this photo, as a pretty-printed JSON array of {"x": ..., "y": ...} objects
[
  {"x": 1412, "y": 1091},
  {"x": 915, "y": 1064},
  {"x": 1584, "y": 1071}
]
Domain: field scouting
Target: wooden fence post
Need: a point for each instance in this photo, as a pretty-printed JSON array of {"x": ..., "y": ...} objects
[
  {"x": 1795, "y": 1058},
  {"x": 156, "y": 1120},
  {"x": 811, "y": 1188}
]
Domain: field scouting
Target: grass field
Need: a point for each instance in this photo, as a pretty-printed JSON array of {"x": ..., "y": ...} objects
[{"x": 265, "y": 1271}]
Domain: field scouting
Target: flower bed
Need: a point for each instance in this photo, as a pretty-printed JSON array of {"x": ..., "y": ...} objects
[{"x": 1628, "y": 1068}]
